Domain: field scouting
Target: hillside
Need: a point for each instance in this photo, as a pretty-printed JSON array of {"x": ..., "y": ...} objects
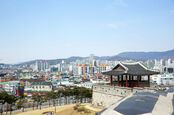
[
  {"x": 148, "y": 55},
  {"x": 120, "y": 57}
]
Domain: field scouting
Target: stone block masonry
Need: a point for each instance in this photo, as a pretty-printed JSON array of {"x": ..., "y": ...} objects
[{"x": 105, "y": 95}]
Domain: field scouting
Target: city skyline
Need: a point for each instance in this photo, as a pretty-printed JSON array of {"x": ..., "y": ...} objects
[
  {"x": 152, "y": 55},
  {"x": 53, "y": 29}
]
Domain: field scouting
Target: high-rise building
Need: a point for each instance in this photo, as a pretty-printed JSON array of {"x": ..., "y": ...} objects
[
  {"x": 41, "y": 66},
  {"x": 84, "y": 69}
]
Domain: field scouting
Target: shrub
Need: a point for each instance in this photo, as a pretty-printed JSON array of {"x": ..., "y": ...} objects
[
  {"x": 81, "y": 109},
  {"x": 87, "y": 111},
  {"x": 76, "y": 106}
]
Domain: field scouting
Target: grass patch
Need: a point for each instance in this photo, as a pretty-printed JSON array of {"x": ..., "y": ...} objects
[{"x": 82, "y": 109}]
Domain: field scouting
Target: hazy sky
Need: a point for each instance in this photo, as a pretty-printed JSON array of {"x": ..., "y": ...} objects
[{"x": 50, "y": 29}]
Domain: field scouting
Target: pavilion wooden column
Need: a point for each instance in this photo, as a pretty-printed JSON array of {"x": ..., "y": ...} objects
[
  {"x": 129, "y": 77},
  {"x": 111, "y": 80},
  {"x": 138, "y": 82},
  {"x": 130, "y": 81},
  {"x": 148, "y": 80},
  {"x": 126, "y": 81},
  {"x": 121, "y": 80},
  {"x": 118, "y": 80}
]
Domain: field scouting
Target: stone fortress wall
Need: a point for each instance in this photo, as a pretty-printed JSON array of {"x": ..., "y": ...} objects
[{"x": 105, "y": 95}]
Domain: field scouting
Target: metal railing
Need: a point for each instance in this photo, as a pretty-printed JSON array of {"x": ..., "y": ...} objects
[{"x": 39, "y": 105}]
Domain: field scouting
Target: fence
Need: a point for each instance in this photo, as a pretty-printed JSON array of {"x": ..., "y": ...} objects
[{"x": 39, "y": 105}]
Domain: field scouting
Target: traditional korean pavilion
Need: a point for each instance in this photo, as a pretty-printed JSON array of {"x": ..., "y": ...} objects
[{"x": 130, "y": 75}]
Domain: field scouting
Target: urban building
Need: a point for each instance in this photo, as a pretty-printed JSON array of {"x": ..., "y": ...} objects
[
  {"x": 41, "y": 86},
  {"x": 41, "y": 66},
  {"x": 164, "y": 79}
]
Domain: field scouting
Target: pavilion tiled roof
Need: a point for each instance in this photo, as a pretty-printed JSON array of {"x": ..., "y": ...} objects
[{"x": 135, "y": 69}]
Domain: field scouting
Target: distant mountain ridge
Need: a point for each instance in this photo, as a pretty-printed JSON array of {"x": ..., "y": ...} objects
[
  {"x": 53, "y": 61},
  {"x": 137, "y": 56},
  {"x": 148, "y": 55},
  {"x": 70, "y": 59}
]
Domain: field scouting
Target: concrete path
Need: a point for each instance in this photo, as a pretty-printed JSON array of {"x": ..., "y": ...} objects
[
  {"x": 164, "y": 105},
  {"x": 145, "y": 103}
]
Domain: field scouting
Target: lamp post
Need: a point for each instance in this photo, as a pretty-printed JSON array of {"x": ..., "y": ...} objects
[
  {"x": 55, "y": 105},
  {"x": 60, "y": 95},
  {"x": 1, "y": 102}
]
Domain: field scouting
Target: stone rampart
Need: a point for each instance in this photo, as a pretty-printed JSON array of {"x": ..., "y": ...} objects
[{"x": 105, "y": 95}]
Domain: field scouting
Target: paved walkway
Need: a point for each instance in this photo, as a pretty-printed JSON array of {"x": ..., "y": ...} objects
[{"x": 144, "y": 103}]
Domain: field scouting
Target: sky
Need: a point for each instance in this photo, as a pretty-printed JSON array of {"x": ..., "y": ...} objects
[{"x": 51, "y": 29}]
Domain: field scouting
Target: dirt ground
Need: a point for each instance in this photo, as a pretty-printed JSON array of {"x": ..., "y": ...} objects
[
  {"x": 39, "y": 112},
  {"x": 71, "y": 111},
  {"x": 62, "y": 110}
]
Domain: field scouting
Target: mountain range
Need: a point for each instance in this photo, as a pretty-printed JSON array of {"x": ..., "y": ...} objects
[
  {"x": 120, "y": 57},
  {"x": 148, "y": 55}
]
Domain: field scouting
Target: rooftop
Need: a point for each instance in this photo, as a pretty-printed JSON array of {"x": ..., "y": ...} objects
[
  {"x": 41, "y": 83},
  {"x": 130, "y": 69}
]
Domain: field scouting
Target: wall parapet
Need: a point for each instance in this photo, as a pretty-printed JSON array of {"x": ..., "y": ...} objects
[
  {"x": 112, "y": 90},
  {"x": 105, "y": 95}
]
